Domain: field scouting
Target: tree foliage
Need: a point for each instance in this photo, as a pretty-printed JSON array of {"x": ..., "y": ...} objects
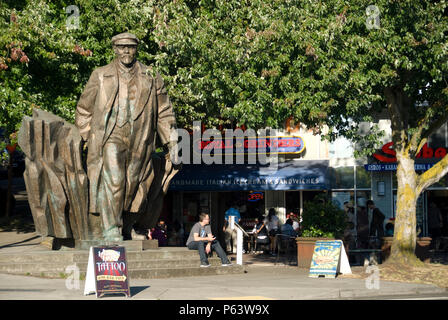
[
  {"x": 323, "y": 219},
  {"x": 44, "y": 64},
  {"x": 235, "y": 62},
  {"x": 329, "y": 63}
]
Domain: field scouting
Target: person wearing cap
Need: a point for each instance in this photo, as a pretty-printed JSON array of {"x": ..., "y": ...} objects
[{"x": 120, "y": 113}]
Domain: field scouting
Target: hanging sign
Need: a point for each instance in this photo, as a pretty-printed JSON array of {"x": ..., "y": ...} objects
[
  {"x": 107, "y": 271},
  {"x": 393, "y": 166},
  {"x": 252, "y": 145},
  {"x": 329, "y": 259},
  {"x": 389, "y": 155}
]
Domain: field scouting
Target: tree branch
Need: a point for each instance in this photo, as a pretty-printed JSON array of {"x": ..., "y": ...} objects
[
  {"x": 423, "y": 135},
  {"x": 435, "y": 125},
  {"x": 432, "y": 175}
]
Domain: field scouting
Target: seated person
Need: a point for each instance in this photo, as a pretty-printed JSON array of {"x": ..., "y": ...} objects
[
  {"x": 202, "y": 239},
  {"x": 287, "y": 228},
  {"x": 260, "y": 231},
  {"x": 159, "y": 233},
  {"x": 295, "y": 222},
  {"x": 389, "y": 229}
]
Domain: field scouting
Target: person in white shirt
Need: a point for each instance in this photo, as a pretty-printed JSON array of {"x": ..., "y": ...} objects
[{"x": 272, "y": 224}]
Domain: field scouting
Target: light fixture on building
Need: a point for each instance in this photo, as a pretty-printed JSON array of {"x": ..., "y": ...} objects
[{"x": 381, "y": 188}]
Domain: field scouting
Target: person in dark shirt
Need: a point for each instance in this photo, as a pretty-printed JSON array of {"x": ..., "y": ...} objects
[
  {"x": 261, "y": 232},
  {"x": 288, "y": 229},
  {"x": 377, "y": 224},
  {"x": 159, "y": 232}
]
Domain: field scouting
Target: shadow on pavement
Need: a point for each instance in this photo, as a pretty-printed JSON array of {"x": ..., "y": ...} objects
[
  {"x": 20, "y": 243},
  {"x": 266, "y": 259},
  {"x": 137, "y": 289},
  {"x": 22, "y": 223}
]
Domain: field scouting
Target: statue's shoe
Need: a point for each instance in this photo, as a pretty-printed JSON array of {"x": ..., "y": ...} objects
[
  {"x": 113, "y": 234},
  {"x": 136, "y": 236}
]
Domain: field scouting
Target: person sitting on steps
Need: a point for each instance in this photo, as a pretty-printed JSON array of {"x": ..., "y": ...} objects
[{"x": 202, "y": 239}]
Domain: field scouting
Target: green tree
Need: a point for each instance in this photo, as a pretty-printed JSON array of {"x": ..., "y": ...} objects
[
  {"x": 228, "y": 62},
  {"x": 328, "y": 63},
  {"x": 44, "y": 64},
  {"x": 331, "y": 64},
  {"x": 390, "y": 59}
]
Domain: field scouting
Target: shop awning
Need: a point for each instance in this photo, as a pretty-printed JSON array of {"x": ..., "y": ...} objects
[{"x": 289, "y": 175}]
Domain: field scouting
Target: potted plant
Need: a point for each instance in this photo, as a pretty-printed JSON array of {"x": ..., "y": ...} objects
[{"x": 321, "y": 220}]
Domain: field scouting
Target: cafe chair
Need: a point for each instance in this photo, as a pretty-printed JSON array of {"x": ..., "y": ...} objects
[
  {"x": 286, "y": 247},
  {"x": 262, "y": 243}
]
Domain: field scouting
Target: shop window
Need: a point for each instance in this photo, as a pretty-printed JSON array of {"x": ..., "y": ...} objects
[
  {"x": 340, "y": 197},
  {"x": 363, "y": 178},
  {"x": 342, "y": 177},
  {"x": 362, "y": 196},
  {"x": 292, "y": 201},
  {"x": 443, "y": 183},
  {"x": 311, "y": 195},
  {"x": 394, "y": 180}
]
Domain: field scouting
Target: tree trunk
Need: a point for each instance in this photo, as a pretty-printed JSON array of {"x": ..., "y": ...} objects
[{"x": 403, "y": 246}]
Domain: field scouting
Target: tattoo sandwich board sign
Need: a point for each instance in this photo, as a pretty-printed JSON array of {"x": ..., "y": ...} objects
[
  {"x": 107, "y": 271},
  {"x": 329, "y": 259}
]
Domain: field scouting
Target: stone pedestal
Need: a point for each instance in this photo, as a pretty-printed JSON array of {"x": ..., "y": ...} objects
[
  {"x": 53, "y": 243},
  {"x": 130, "y": 245}
]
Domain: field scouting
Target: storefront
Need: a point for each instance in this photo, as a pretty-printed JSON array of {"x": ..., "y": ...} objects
[
  {"x": 320, "y": 168},
  {"x": 254, "y": 188},
  {"x": 382, "y": 169}
]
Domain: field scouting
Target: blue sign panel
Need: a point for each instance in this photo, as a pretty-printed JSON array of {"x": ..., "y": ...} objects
[
  {"x": 393, "y": 166},
  {"x": 291, "y": 175}
]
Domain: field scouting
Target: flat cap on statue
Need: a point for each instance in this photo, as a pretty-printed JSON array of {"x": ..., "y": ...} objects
[{"x": 125, "y": 38}]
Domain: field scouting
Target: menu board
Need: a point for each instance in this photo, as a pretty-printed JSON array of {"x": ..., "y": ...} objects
[
  {"x": 107, "y": 271},
  {"x": 327, "y": 259}
]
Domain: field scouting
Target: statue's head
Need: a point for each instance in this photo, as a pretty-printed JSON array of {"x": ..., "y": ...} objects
[{"x": 125, "y": 48}]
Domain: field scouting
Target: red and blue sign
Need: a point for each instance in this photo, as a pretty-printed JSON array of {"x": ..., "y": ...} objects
[
  {"x": 425, "y": 159},
  {"x": 252, "y": 145}
]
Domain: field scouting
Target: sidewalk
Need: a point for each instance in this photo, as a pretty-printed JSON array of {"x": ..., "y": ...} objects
[{"x": 261, "y": 280}]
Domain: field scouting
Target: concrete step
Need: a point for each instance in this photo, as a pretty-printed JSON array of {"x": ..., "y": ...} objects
[
  {"x": 60, "y": 267},
  {"x": 42, "y": 257},
  {"x": 184, "y": 272},
  {"x": 147, "y": 264},
  {"x": 153, "y": 273},
  {"x": 80, "y": 256}
]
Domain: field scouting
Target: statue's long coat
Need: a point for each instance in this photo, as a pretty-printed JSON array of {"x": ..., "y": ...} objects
[{"x": 152, "y": 114}]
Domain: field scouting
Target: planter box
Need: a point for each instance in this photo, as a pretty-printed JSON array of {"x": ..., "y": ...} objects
[
  {"x": 421, "y": 248},
  {"x": 305, "y": 250}
]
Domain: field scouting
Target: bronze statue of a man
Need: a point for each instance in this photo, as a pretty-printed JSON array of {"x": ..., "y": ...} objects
[{"x": 119, "y": 114}]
